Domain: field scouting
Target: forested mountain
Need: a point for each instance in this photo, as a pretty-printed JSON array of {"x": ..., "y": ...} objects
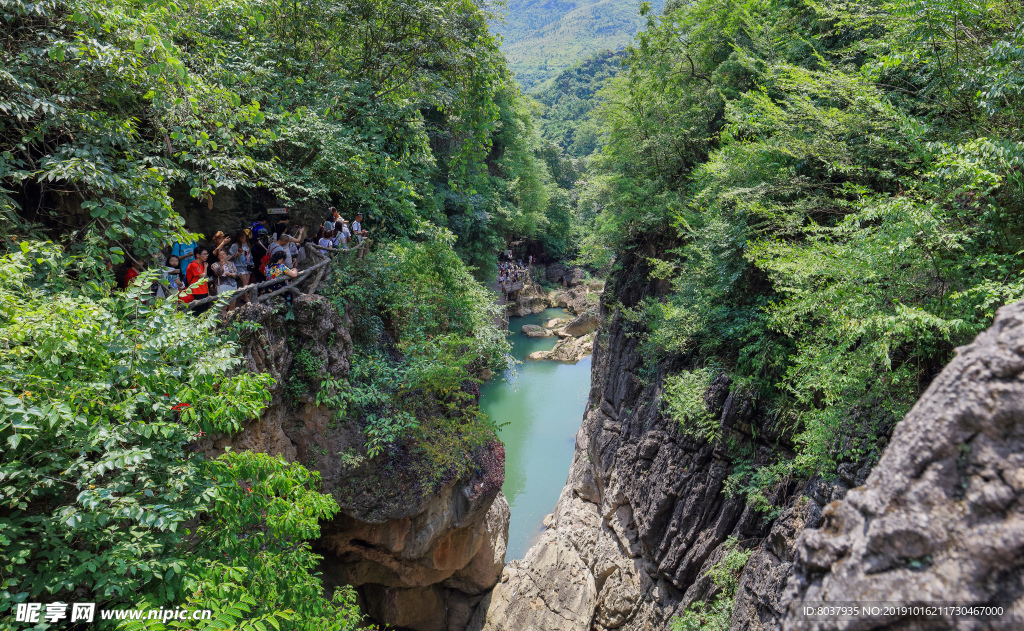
[
  {"x": 826, "y": 200},
  {"x": 569, "y": 99},
  {"x": 541, "y": 39}
]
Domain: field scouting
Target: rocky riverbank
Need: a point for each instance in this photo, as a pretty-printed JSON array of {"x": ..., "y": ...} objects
[
  {"x": 419, "y": 560},
  {"x": 577, "y": 296}
]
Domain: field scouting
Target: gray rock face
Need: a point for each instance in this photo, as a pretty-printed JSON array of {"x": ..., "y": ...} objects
[
  {"x": 644, "y": 508},
  {"x": 574, "y": 276},
  {"x": 549, "y": 589},
  {"x": 941, "y": 517},
  {"x": 555, "y": 272}
]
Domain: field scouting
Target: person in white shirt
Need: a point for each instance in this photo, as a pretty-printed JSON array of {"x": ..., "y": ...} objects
[
  {"x": 341, "y": 234},
  {"x": 325, "y": 241},
  {"x": 361, "y": 234}
]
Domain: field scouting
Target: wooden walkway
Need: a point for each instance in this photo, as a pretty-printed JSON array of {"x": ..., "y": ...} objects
[{"x": 306, "y": 282}]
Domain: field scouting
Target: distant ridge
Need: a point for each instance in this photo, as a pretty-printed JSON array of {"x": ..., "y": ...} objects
[{"x": 545, "y": 37}]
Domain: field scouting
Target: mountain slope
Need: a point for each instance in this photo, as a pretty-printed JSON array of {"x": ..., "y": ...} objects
[
  {"x": 544, "y": 37},
  {"x": 568, "y": 99}
]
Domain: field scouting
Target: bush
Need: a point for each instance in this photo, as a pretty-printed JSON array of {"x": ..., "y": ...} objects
[
  {"x": 716, "y": 616},
  {"x": 423, "y": 330},
  {"x": 683, "y": 399}
]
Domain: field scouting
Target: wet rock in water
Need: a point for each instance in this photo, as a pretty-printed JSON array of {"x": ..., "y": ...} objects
[
  {"x": 572, "y": 349},
  {"x": 551, "y": 589},
  {"x": 532, "y": 330},
  {"x": 582, "y": 324},
  {"x": 554, "y": 323},
  {"x": 941, "y": 517},
  {"x": 529, "y": 300},
  {"x": 539, "y": 355}
]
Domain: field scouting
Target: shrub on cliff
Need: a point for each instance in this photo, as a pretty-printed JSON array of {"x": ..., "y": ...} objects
[{"x": 423, "y": 331}]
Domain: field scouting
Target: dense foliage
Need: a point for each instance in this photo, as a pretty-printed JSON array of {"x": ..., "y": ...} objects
[
  {"x": 569, "y": 99},
  {"x": 834, "y": 195},
  {"x": 115, "y": 111},
  {"x": 424, "y": 332},
  {"x": 102, "y": 493},
  {"x": 114, "y": 115}
]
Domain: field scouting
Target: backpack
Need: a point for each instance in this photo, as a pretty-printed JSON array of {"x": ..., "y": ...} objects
[{"x": 265, "y": 261}]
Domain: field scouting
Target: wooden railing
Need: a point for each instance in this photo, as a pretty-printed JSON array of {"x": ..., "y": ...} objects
[{"x": 315, "y": 274}]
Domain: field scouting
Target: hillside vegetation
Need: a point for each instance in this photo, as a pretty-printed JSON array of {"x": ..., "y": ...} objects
[
  {"x": 833, "y": 194},
  {"x": 569, "y": 99},
  {"x": 541, "y": 39}
]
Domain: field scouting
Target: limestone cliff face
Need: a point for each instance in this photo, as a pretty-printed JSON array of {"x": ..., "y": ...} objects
[
  {"x": 643, "y": 515},
  {"x": 419, "y": 560},
  {"x": 941, "y": 517}
]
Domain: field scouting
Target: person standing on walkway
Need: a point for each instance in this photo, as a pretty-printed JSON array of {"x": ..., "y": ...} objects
[
  {"x": 197, "y": 274},
  {"x": 185, "y": 253},
  {"x": 361, "y": 235},
  {"x": 226, "y": 274},
  {"x": 241, "y": 256}
]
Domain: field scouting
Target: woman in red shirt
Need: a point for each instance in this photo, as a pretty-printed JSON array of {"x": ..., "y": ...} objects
[{"x": 197, "y": 272}]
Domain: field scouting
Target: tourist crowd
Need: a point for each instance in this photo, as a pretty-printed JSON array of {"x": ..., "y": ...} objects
[
  {"x": 192, "y": 272},
  {"x": 513, "y": 271}
]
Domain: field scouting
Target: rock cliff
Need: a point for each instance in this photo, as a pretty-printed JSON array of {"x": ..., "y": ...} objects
[
  {"x": 643, "y": 516},
  {"x": 940, "y": 519},
  {"x": 419, "y": 560}
]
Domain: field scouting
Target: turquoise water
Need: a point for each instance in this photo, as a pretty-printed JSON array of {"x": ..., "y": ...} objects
[{"x": 541, "y": 404}]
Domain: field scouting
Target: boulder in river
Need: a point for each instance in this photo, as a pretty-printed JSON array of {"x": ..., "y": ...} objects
[
  {"x": 572, "y": 349},
  {"x": 554, "y": 323},
  {"x": 532, "y": 330},
  {"x": 567, "y": 349},
  {"x": 582, "y": 324}
]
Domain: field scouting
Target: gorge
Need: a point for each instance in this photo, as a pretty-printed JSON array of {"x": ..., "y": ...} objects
[{"x": 718, "y": 329}]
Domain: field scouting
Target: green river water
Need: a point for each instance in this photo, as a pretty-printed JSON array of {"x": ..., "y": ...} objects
[{"x": 541, "y": 404}]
